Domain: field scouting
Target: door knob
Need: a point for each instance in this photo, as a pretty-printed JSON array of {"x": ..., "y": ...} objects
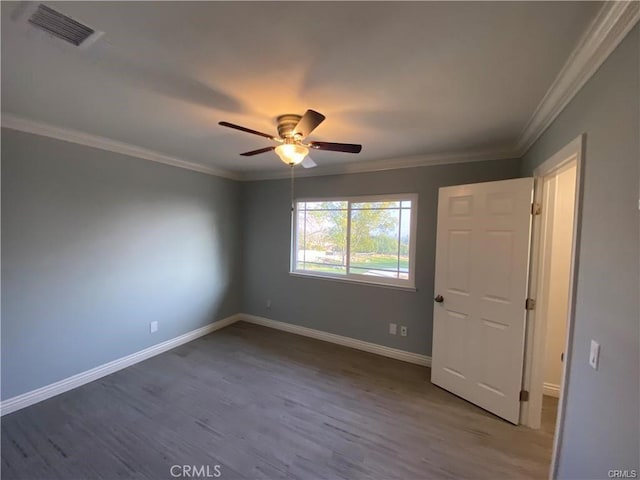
[{"x": 439, "y": 299}]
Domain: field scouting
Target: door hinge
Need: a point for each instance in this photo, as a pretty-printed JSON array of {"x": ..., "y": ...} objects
[
  {"x": 529, "y": 304},
  {"x": 524, "y": 395},
  {"x": 536, "y": 208}
]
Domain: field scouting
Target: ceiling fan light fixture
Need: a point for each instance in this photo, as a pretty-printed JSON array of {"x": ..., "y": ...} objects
[
  {"x": 291, "y": 153},
  {"x": 292, "y": 130}
]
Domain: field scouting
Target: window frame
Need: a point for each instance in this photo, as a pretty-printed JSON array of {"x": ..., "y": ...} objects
[{"x": 408, "y": 284}]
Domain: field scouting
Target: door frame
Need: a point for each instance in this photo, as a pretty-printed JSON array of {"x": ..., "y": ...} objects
[{"x": 535, "y": 330}]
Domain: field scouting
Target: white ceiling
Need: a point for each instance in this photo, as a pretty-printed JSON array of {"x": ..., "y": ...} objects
[{"x": 403, "y": 79}]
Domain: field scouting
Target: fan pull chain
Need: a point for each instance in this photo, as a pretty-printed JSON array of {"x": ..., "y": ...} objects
[{"x": 292, "y": 198}]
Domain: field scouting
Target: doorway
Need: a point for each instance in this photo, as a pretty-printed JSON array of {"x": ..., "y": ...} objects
[
  {"x": 504, "y": 291},
  {"x": 559, "y": 197},
  {"x": 553, "y": 267}
]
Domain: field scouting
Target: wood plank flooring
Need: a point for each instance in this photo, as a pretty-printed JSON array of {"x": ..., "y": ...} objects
[{"x": 265, "y": 404}]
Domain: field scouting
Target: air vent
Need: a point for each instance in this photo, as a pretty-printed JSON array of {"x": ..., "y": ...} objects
[{"x": 60, "y": 25}]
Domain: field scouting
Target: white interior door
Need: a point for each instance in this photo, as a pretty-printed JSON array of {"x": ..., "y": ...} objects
[{"x": 482, "y": 263}]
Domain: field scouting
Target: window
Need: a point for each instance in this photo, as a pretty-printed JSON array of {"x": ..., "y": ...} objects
[{"x": 362, "y": 239}]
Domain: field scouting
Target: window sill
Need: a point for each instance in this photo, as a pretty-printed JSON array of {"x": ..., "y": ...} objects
[{"x": 352, "y": 281}]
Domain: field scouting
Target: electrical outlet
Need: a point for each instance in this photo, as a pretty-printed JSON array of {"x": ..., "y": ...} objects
[
  {"x": 153, "y": 326},
  {"x": 594, "y": 354},
  {"x": 268, "y": 303},
  {"x": 393, "y": 328},
  {"x": 403, "y": 331}
]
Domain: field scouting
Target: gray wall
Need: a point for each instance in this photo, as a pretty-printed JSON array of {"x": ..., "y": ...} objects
[
  {"x": 95, "y": 245},
  {"x": 358, "y": 311},
  {"x": 602, "y": 421}
]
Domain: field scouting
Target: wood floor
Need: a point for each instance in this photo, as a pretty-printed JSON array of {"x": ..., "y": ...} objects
[{"x": 261, "y": 403}]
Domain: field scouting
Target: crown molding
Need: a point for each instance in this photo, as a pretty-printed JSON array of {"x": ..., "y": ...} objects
[
  {"x": 15, "y": 122},
  {"x": 427, "y": 160},
  {"x": 23, "y": 124},
  {"x": 612, "y": 23},
  {"x": 606, "y": 31}
]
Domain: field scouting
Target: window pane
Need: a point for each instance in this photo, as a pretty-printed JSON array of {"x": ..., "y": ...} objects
[
  {"x": 374, "y": 272},
  {"x": 328, "y": 205},
  {"x": 374, "y": 242},
  {"x": 321, "y": 241},
  {"x": 405, "y": 232},
  {"x": 363, "y": 205},
  {"x": 300, "y": 237},
  {"x": 379, "y": 238}
]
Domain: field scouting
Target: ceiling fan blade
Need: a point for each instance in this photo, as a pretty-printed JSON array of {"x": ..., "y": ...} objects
[
  {"x": 245, "y": 129},
  {"x": 257, "y": 152},
  {"x": 336, "y": 147},
  {"x": 308, "y": 123},
  {"x": 308, "y": 163}
]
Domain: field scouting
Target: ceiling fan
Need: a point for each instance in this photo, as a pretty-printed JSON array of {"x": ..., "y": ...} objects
[{"x": 292, "y": 130}]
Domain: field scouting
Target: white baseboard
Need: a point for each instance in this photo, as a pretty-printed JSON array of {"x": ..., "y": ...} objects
[
  {"x": 34, "y": 396},
  {"x": 38, "y": 395},
  {"x": 403, "y": 355},
  {"x": 551, "y": 389}
]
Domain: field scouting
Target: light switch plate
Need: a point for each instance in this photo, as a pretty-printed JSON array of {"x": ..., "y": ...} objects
[
  {"x": 153, "y": 326},
  {"x": 594, "y": 354},
  {"x": 393, "y": 328}
]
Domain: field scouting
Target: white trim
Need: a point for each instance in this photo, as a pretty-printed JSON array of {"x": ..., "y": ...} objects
[
  {"x": 536, "y": 319},
  {"x": 532, "y": 381},
  {"x": 23, "y": 124},
  {"x": 34, "y": 396},
  {"x": 352, "y": 280},
  {"x": 426, "y": 160},
  {"x": 394, "y": 353},
  {"x": 545, "y": 193},
  {"x": 15, "y": 122},
  {"x": 561, "y": 158},
  {"x": 551, "y": 389},
  {"x": 608, "y": 29},
  {"x": 535, "y": 333}
]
